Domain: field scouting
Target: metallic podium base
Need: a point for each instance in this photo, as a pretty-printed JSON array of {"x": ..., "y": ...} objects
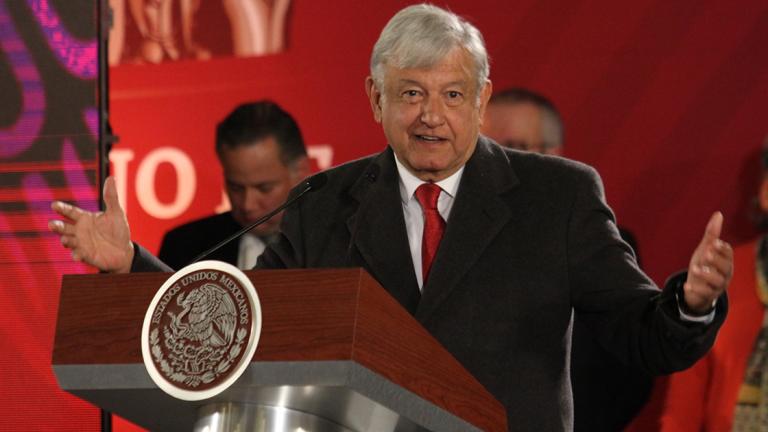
[
  {"x": 229, "y": 417},
  {"x": 341, "y": 395}
]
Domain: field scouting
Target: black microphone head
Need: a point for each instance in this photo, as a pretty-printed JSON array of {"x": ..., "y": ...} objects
[{"x": 316, "y": 181}]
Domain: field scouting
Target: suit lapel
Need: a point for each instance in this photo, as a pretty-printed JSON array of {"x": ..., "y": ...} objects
[
  {"x": 477, "y": 216},
  {"x": 377, "y": 230},
  {"x": 227, "y": 226}
]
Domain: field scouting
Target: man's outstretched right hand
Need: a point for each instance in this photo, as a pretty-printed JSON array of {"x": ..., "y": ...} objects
[{"x": 101, "y": 239}]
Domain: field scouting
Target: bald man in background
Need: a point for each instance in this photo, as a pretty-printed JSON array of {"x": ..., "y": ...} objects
[
  {"x": 607, "y": 394},
  {"x": 524, "y": 120}
]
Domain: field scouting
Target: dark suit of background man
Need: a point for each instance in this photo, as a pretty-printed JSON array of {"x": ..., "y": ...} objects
[
  {"x": 262, "y": 156},
  {"x": 528, "y": 237},
  {"x": 607, "y": 394}
]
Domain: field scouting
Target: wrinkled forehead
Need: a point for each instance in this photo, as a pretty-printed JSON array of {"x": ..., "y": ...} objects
[
  {"x": 453, "y": 68},
  {"x": 415, "y": 55}
]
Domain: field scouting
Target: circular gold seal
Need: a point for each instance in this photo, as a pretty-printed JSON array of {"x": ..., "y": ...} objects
[{"x": 201, "y": 330}]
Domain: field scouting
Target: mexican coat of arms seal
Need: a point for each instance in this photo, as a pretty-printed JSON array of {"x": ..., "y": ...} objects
[{"x": 201, "y": 330}]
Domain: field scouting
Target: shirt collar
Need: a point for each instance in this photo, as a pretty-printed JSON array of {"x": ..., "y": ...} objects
[{"x": 409, "y": 182}]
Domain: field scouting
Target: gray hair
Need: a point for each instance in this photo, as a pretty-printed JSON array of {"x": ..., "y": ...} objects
[{"x": 422, "y": 35}]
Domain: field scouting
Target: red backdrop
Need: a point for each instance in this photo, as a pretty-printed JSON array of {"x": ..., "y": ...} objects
[{"x": 666, "y": 99}]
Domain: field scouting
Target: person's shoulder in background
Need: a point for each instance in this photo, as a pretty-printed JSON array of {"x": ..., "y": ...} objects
[{"x": 185, "y": 242}]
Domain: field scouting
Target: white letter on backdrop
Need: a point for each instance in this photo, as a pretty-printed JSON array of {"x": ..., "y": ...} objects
[{"x": 186, "y": 182}]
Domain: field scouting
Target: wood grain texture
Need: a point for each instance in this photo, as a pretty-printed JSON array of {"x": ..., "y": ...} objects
[{"x": 308, "y": 315}]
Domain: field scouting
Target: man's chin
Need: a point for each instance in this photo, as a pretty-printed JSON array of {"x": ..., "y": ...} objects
[{"x": 264, "y": 230}]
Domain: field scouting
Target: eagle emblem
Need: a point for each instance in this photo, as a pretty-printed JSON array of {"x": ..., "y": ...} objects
[{"x": 199, "y": 330}]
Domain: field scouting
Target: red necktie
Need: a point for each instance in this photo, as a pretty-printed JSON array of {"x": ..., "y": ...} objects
[{"x": 434, "y": 226}]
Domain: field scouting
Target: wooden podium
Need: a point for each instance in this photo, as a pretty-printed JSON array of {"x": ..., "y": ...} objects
[{"x": 334, "y": 345}]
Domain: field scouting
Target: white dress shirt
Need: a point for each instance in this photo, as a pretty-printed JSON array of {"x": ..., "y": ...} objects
[
  {"x": 414, "y": 215},
  {"x": 248, "y": 252}
]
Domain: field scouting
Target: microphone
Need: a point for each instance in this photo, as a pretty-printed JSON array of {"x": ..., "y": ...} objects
[{"x": 313, "y": 183}]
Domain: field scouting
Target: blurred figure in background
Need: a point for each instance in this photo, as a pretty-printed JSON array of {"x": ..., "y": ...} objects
[
  {"x": 727, "y": 390},
  {"x": 606, "y": 393},
  {"x": 524, "y": 120},
  {"x": 262, "y": 156}
]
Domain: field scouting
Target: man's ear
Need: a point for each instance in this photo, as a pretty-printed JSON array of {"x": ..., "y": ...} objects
[
  {"x": 374, "y": 96},
  {"x": 485, "y": 96}
]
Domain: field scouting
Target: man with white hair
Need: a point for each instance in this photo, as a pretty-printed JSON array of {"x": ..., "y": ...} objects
[{"x": 490, "y": 249}]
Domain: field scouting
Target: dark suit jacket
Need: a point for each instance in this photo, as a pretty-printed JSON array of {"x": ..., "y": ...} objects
[
  {"x": 607, "y": 394},
  {"x": 529, "y": 239},
  {"x": 184, "y": 243}
]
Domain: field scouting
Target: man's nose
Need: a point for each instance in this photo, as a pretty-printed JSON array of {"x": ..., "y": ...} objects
[{"x": 432, "y": 112}]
